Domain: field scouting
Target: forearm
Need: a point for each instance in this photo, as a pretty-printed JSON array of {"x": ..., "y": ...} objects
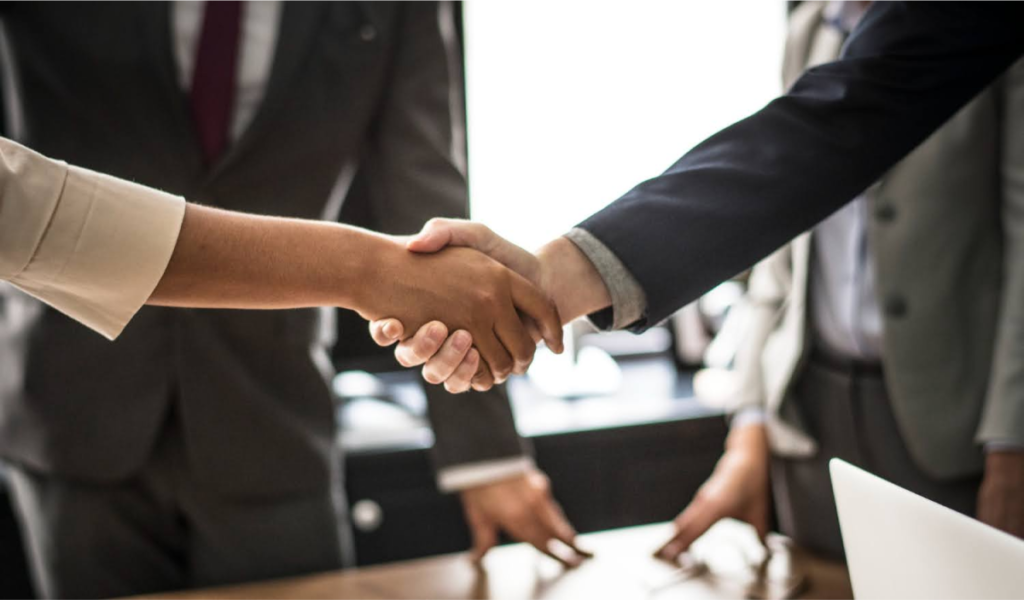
[
  {"x": 756, "y": 184},
  {"x": 232, "y": 260}
]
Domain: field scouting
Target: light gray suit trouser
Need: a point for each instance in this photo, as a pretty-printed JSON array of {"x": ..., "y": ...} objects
[
  {"x": 161, "y": 531},
  {"x": 847, "y": 410}
]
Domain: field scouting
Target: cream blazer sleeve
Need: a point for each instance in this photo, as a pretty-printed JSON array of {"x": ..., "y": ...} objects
[{"x": 89, "y": 245}]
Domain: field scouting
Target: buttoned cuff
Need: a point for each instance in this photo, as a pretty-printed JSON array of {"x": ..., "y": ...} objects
[
  {"x": 629, "y": 303},
  {"x": 462, "y": 477},
  {"x": 104, "y": 251}
]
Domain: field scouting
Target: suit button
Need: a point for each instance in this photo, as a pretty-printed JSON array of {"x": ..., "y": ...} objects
[
  {"x": 367, "y": 516},
  {"x": 895, "y": 306},
  {"x": 885, "y": 213},
  {"x": 367, "y": 33}
]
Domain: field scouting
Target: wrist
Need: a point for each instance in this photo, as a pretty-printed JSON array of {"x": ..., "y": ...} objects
[
  {"x": 1004, "y": 459},
  {"x": 376, "y": 263},
  {"x": 571, "y": 280},
  {"x": 750, "y": 441}
]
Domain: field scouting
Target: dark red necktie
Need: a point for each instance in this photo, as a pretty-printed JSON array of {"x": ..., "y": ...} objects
[{"x": 213, "y": 81}]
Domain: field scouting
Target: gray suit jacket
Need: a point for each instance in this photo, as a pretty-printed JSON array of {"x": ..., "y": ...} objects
[
  {"x": 354, "y": 87},
  {"x": 948, "y": 242}
]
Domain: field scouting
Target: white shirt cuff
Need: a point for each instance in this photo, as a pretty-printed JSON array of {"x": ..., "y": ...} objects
[
  {"x": 104, "y": 251},
  {"x": 751, "y": 415},
  {"x": 470, "y": 475}
]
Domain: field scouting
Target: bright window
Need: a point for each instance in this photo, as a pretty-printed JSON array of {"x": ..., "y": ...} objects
[{"x": 570, "y": 104}]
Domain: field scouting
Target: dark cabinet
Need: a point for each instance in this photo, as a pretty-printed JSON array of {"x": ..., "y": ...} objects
[{"x": 643, "y": 470}]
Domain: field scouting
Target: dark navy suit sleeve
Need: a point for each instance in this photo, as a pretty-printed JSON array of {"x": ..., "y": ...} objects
[{"x": 755, "y": 185}]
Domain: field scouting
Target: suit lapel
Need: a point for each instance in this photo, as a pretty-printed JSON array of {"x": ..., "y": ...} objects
[
  {"x": 295, "y": 38},
  {"x": 156, "y": 21}
]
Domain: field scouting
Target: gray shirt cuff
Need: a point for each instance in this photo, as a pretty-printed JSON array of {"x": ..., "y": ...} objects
[
  {"x": 629, "y": 303},
  {"x": 1003, "y": 446}
]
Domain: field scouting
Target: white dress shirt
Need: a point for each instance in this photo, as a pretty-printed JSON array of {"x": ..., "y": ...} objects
[
  {"x": 846, "y": 317},
  {"x": 845, "y": 314},
  {"x": 93, "y": 247},
  {"x": 261, "y": 22}
]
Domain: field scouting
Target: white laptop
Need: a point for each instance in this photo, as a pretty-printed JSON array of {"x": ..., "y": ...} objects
[{"x": 900, "y": 545}]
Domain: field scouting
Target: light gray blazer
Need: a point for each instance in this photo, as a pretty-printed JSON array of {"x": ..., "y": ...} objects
[{"x": 948, "y": 237}]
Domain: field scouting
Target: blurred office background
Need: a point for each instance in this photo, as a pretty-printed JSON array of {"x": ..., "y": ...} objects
[{"x": 567, "y": 107}]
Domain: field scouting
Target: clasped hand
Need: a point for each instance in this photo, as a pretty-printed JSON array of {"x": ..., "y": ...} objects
[
  {"x": 499, "y": 315},
  {"x": 459, "y": 350}
]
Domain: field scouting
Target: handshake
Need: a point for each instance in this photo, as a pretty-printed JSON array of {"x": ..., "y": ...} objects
[
  {"x": 506, "y": 301},
  {"x": 471, "y": 307}
]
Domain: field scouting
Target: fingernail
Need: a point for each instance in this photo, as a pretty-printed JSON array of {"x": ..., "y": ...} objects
[
  {"x": 391, "y": 329},
  {"x": 461, "y": 341},
  {"x": 435, "y": 333}
]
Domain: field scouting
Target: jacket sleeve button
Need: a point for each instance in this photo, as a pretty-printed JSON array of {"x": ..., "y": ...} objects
[
  {"x": 895, "y": 306},
  {"x": 885, "y": 212}
]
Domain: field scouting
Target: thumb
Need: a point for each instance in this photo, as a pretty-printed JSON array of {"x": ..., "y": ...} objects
[
  {"x": 386, "y": 331},
  {"x": 436, "y": 234}
]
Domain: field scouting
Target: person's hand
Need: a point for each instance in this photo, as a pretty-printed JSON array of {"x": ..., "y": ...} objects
[
  {"x": 450, "y": 360},
  {"x": 441, "y": 233},
  {"x": 738, "y": 489},
  {"x": 523, "y": 507},
  {"x": 559, "y": 269},
  {"x": 464, "y": 289},
  {"x": 1001, "y": 497}
]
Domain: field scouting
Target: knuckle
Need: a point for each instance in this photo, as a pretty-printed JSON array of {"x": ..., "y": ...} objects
[
  {"x": 541, "y": 483},
  {"x": 487, "y": 295},
  {"x": 523, "y": 357},
  {"x": 423, "y": 349},
  {"x": 431, "y": 375},
  {"x": 402, "y": 358},
  {"x": 478, "y": 229},
  {"x": 501, "y": 367},
  {"x": 521, "y": 514}
]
